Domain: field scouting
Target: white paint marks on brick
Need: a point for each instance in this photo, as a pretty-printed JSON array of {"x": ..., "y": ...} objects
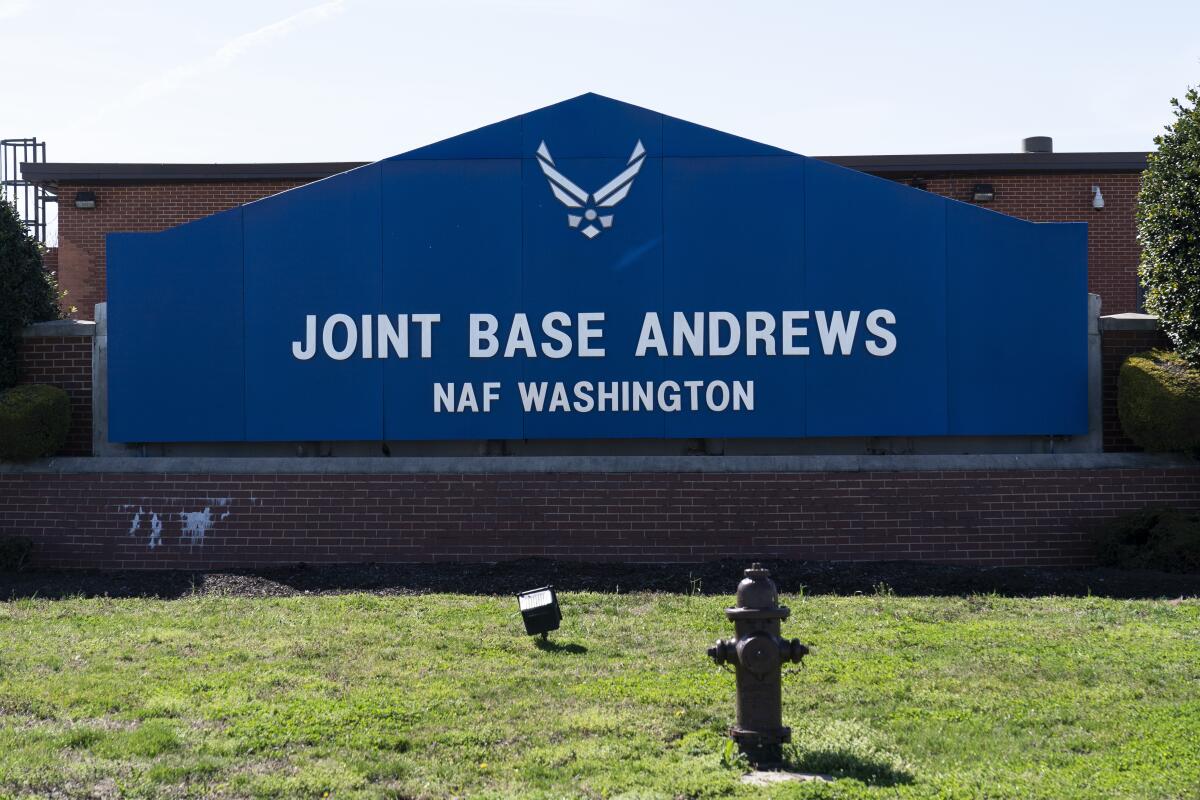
[
  {"x": 196, "y": 525},
  {"x": 155, "y": 526},
  {"x": 155, "y": 531}
]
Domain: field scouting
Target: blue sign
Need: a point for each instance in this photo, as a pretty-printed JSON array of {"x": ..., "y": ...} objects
[{"x": 597, "y": 270}]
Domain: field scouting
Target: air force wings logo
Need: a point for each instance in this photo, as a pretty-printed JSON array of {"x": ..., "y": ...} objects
[{"x": 605, "y": 197}]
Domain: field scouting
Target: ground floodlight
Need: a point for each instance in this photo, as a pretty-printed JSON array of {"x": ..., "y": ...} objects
[{"x": 539, "y": 610}]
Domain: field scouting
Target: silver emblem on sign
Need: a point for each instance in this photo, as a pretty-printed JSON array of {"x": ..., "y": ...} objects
[{"x": 605, "y": 197}]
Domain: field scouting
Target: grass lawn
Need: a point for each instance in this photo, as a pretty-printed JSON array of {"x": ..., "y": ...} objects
[{"x": 442, "y": 695}]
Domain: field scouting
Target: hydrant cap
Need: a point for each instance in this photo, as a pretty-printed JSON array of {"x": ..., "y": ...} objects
[{"x": 757, "y": 590}]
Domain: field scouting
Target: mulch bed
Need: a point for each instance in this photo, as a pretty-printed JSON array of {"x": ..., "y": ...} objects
[{"x": 717, "y": 577}]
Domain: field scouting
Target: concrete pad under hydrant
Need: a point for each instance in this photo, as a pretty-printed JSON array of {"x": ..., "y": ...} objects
[{"x": 769, "y": 777}]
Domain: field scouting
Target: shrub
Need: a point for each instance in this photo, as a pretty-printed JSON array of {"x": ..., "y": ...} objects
[
  {"x": 1163, "y": 539},
  {"x": 1158, "y": 399},
  {"x": 34, "y": 420},
  {"x": 1168, "y": 216},
  {"x": 14, "y": 552},
  {"x": 28, "y": 292}
]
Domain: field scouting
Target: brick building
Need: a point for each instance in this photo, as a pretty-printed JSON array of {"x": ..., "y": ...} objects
[{"x": 1038, "y": 186}]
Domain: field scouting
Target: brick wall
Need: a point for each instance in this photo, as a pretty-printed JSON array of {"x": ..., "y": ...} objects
[
  {"x": 140, "y": 207},
  {"x": 1113, "y": 251},
  {"x": 50, "y": 260},
  {"x": 65, "y": 362},
  {"x": 1115, "y": 347},
  {"x": 1112, "y": 245},
  {"x": 1034, "y": 517}
]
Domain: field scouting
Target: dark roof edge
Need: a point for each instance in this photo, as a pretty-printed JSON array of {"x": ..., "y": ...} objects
[
  {"x": 50, "y": 173},
  {"x": 993, "y": 162},
  {"x": 46, "y": 173}
]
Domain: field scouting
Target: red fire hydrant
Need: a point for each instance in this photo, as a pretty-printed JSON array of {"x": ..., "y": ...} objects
[{"x": 758, "y": 653}]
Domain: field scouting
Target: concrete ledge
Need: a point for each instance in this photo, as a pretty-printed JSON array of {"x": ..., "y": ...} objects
[
  {"x": 60, "y": 327},
  {"x": 601, "y": 464},
  {"x": 1129, "y": 322}
]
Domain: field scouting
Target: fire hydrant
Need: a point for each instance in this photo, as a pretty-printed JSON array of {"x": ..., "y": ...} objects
[{"x": 758, "y": 654}]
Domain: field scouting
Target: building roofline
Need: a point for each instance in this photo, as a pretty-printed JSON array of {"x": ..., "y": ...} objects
[
  {"x": 993, "y": 162},
  {"x": 49, "y": 174},
  {"x": 63, "y": 172}
]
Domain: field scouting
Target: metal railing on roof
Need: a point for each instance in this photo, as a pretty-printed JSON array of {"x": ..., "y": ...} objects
[{"x": 28, "y": 198}]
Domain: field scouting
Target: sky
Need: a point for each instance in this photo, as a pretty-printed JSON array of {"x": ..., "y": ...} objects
[{"x": 359, "y": 80}]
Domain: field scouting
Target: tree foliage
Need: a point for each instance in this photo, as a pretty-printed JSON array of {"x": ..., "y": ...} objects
[
  {"x": 1169, "y": 228},
  {"x": 28, "y": 293}
]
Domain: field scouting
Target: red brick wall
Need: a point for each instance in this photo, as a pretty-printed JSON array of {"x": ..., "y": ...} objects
[
  {"x": 1113, "y": 251},
  {"x": 1115, "y": 347},
  {"x": 50, "y": 260},
  {"x": 144, "y": 207},
  {"x": 65, "y": 362},
  {"x": 1112, "y": 246},
  {"x": 1035, "y": 517}
]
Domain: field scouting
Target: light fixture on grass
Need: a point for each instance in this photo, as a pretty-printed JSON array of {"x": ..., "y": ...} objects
[{"x": 539, "y": 610}]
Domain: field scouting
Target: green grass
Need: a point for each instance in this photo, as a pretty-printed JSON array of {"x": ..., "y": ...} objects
[{"x": 441, "y": 695}]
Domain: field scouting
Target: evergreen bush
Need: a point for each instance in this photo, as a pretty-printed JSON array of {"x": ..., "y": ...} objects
[
  {"x": 1158, "y": 400},
  {"x": 1168, "y": 216},
  {"x": 28, "y": 293},
  {"x": 34, "y": 420},
  {"x": 1163, "y": 539},
  {"x": 15, "y": 552}
]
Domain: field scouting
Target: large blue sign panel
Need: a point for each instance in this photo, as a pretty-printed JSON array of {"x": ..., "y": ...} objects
[{"x": 597, "y": 270}]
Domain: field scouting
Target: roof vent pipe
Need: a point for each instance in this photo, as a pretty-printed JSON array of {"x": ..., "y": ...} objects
[{"x": 1037, "y": 144}]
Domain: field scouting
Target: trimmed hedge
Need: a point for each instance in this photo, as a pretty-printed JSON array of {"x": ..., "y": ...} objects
[
  {"x": 34, "y": 420},
  {"x": 1162, "y": 539},
  {"x": 15, "y": 552},
  {"x": 1158, "y": 399}
]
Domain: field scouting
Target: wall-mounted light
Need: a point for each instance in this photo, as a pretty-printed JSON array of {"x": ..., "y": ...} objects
[
  {"x": 983, "y": 193},
  {"x": 917, "y": 183},
  {"x": 85, "y": 199},
  {"x": 1097, "y": 198}
]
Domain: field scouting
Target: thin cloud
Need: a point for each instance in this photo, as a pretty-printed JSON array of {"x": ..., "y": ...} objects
[
  {"x": 174, "y": 79},
  {"x": 13, "y": 8}
]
